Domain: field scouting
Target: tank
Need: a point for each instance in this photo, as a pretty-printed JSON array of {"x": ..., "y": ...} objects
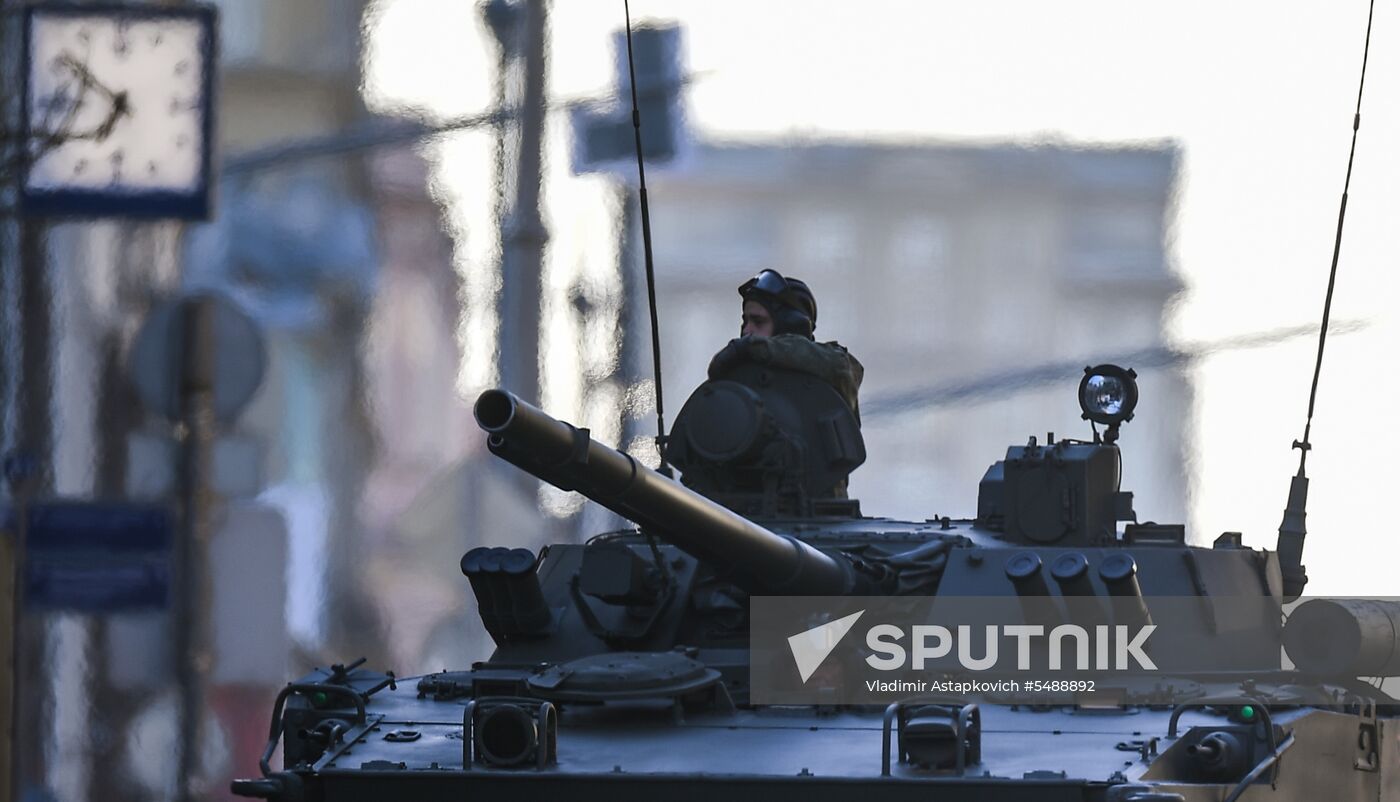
[{"x": 633, "y": 666}]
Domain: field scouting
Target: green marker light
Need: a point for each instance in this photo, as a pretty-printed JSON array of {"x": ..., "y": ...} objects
[
  {"x": 319, "y": 698},
  {"x": 1247, "y": 712}
]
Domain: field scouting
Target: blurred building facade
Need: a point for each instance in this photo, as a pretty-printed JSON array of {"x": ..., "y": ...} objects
[
  {"x": 346, "y": 258},
  {"x": 937, "y": 264},
  {"x": 295, "y": 248},
  {"x": 294, "y": 244}
]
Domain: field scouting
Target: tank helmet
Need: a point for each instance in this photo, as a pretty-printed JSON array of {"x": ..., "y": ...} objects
[{"x": 788, "y": 300}]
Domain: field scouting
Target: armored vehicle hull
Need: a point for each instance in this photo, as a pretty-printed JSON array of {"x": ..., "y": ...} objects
[{"x": 628, "y": 667}]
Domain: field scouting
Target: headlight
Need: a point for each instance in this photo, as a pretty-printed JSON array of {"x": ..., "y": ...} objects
[{"x": 1108, "y": 393}]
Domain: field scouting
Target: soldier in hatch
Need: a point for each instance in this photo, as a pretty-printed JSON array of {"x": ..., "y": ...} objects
[{"x": 779, "y": 316}]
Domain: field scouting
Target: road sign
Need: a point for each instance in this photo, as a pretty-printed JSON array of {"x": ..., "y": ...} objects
[
  {"x": 97, "y": 556},
  {"x": 239, "y": 355}
]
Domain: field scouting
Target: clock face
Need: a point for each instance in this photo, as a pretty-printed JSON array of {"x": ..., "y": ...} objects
[{"x": 122, "y": 93}]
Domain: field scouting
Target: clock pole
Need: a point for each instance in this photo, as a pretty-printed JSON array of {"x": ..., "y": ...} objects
[
  {"x": 27, "y": 390},
  {"x": 33, "y": 440}
]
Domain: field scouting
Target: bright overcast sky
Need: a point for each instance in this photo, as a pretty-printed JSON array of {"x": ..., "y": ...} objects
[{"x": 1258, "y": 95}]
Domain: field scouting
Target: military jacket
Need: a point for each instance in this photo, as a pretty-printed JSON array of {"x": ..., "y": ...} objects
[{"x": 829, "y": 361}]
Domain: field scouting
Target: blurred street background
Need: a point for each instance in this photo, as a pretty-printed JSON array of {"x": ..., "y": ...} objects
[{"x": 416, "y": 200}]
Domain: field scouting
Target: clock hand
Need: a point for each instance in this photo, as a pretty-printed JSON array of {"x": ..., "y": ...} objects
[{"x": 121, "y": 107}]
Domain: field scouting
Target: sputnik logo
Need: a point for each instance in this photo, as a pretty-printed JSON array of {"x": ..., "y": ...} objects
[{"x": 810, "y": 648}]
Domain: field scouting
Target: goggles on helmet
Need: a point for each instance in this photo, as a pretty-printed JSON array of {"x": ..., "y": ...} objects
[{"x": 768, "y": 281}]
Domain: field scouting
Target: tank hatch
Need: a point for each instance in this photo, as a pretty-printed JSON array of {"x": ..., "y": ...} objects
[{"x": 616, "y": 676}]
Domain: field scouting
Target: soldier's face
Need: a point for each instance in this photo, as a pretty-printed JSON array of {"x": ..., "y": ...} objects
[{"x": 755, "y": 321}]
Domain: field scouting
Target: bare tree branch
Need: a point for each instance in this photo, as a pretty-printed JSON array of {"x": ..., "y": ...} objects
[{"x": 58, "y": 123}]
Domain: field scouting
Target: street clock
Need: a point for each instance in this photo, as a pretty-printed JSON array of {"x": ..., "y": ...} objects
[{"x": 118, "y": 110}]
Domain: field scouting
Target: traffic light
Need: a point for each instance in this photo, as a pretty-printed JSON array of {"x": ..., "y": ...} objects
[{"x": 603, "y": 138}]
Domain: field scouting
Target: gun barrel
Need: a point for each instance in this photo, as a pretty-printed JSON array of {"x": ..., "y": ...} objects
[{"x": 566, "y": 457}]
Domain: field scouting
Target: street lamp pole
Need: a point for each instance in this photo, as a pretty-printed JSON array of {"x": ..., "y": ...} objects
[
  {"x": 523, "y": 234},
  {"x": 194, "y": 648}
]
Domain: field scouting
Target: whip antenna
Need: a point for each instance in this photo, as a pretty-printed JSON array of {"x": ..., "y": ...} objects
[
  {"x": 646, "y": 249},
  {"x": 1292, "y": 531}
]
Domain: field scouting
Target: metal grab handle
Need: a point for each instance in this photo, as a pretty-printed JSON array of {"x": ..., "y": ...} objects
[
  {"x": 890, "y": 713},
  {"x": 1203, "y": 703},
  {"x": 1276, "y": 749},
  {"x": 1264, "y": 765},
  {"x": 545, "y": 749},
  {"x": 468, "y": 734},
  {"x": 275, "y": 730},
  {"x": 968, "y": 715}
]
